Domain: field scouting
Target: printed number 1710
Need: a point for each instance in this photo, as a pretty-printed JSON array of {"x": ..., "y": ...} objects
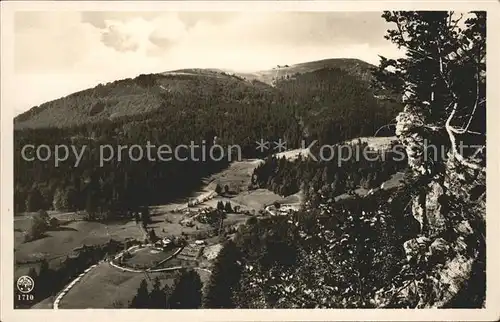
[{"x": 25, "y": 297}]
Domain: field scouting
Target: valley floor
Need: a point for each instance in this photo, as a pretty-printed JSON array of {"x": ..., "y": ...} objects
[
  {"x": 117, "y": 287},
  {"x": 108, "y": 286}
]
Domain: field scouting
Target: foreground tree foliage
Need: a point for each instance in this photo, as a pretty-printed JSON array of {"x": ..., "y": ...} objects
[
  {"x": 141, "y": 300},
  {"x": 157, "y": 296},
  {"x": 442, "y": 77},
  {"x": 187, "y": 291},
  {"x": 336, "y": 257},
  {"x": 224, "y": 278}
]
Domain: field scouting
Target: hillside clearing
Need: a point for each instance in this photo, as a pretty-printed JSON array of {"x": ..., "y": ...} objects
[{"x": 115, "y": 288}]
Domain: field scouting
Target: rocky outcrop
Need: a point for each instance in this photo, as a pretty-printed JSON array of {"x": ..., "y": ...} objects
[
  {"x": 450, "y": 207},
  {"x": 407, "y": 130},
  {"x": 428, "y": 211}
]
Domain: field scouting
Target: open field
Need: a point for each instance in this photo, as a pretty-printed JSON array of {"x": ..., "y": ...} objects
[
  {"x": 293, "y": 154},
  {"x": 57, "y": 244},
  {"x": 235, "y": 219},
  {"x": 376, "y": 143},
  {"x": 108, "y": 287},
  {"x": 75, "y": 234},
  {"x": 116, "y": 287},
  {"x": 147, "y": 257},
  {"x": 395, "y": 181},
  {"x": 21, "y": 220},
  {"x": 48, "y": 303},
  {"x": 237, "y": 176},
  {"x": 257, "y": 199}
]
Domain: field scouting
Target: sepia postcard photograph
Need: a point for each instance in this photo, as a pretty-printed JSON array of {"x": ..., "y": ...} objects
[{"x": 247, "y": 161}]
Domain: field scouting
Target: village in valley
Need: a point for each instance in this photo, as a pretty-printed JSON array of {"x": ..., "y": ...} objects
[{"x": 158, "y": 240}]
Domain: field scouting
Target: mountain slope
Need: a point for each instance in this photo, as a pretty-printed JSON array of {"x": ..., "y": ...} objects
[
  {"x": 330, "y": 86},
  {"x": 143, "y": 94}
]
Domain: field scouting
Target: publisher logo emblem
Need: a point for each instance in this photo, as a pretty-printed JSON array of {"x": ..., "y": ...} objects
[{"x": 25, "y": 284}]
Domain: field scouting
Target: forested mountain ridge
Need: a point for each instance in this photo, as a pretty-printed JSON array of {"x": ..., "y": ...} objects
[
  {"x": 328, "y": 105},
  {"x": 193, "y": 88},
  {"x": 143, "y": 94}
]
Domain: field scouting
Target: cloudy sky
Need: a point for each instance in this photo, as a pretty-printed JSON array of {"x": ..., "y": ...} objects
[{"x": 57, "y": 53}]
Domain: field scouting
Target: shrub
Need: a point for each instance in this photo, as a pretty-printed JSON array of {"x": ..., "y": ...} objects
[{"x": 39, "y": 226}]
